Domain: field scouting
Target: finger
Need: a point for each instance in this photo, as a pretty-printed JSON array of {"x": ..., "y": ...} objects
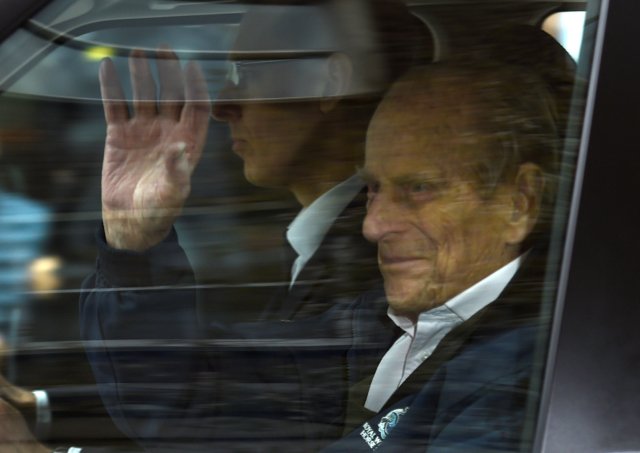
[
  {"x": 171, "y": 83},
  {"x": 115, "y": 107},
  {"x": 144, "y": 87},
  {"x": 195, "y": 114}
]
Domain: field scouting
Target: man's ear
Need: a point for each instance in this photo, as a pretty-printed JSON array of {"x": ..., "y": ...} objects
[
  {"x": 525, "y": 203},
  {"x": 337, "y": 82}
]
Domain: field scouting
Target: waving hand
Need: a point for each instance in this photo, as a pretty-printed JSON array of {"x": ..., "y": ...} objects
[{"x": 151, "y": 153}]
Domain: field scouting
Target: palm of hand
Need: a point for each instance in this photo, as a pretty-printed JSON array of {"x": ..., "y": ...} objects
[
  {"x": 146, "y": 176},
  {"x": 149, "y": 158}
]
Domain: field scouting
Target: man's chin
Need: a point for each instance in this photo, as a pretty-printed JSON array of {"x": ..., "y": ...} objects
[
  {"x": 410, "y": 300},
  {"x": 400, "y": 298},
  {"x": 259, "y": 177}
]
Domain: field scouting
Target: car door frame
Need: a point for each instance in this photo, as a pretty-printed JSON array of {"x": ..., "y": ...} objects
[{"x": 591, "y": 392}]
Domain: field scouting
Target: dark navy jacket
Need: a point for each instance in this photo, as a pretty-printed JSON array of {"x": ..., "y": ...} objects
[
  {"x": 477, "y": 392},
  {"x": 167, "y": 377}
]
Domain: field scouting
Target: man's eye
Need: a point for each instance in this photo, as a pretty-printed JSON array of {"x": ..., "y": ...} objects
[
  {"x": 421, "y": 191},
  {"x": 420, "y": 187}
]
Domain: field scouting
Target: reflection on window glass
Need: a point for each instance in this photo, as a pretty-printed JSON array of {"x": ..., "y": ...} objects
[
  {"x": 69, "y": 71},
  {"x": 282, "y": 226}
]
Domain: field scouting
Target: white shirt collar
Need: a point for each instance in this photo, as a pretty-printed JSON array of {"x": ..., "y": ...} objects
[
  {"x": 308, "y": 229},
  {"x": 468, "y": 302},
  {"x": 422, "y": 338}
]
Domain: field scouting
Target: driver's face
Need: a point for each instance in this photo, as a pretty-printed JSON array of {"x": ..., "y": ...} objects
[
  {"x": 271, "y": 138},
  {"x": 271, "y": 131}
]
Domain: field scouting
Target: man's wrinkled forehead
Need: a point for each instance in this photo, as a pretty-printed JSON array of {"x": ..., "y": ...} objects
[
  {"x": 434, "y": 115},
  {"x": 272, "y": 31}
]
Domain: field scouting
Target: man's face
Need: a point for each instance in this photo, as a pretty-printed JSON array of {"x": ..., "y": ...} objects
[
  {"x": 271, "y": 137},
  {"x": 436, "y": 235}
]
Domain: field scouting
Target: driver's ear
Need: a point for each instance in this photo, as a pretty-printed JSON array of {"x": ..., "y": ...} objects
[
  {"x": 337, "y": 82},
  {"x": 525, "y": 202}
]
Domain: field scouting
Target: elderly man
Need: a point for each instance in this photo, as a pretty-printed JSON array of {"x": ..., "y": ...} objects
[{"x": 460, "y": 163}]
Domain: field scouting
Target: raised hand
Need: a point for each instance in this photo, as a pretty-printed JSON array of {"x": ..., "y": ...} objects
[{"x": 150, "y": 155}]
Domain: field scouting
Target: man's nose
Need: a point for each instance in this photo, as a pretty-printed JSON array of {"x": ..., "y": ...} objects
[
  {"x": 226, "y": 107},
  {"x": 384, "y": 217}
]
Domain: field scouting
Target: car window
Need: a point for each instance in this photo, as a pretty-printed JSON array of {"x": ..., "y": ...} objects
[{"x": 267, "y": 249}]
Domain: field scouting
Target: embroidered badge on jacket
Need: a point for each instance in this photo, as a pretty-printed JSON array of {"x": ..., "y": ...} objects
[{"x": 389, "y": 421}]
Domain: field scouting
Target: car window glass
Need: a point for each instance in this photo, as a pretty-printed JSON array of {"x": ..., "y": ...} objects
[{"x": 232, "y": 225}]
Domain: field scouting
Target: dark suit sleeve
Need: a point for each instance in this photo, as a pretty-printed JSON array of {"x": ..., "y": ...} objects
[
  {"x": 170, "y": 382},
  {"x": 141, "y": 333},
  {"x": 79, "y": 417}
]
